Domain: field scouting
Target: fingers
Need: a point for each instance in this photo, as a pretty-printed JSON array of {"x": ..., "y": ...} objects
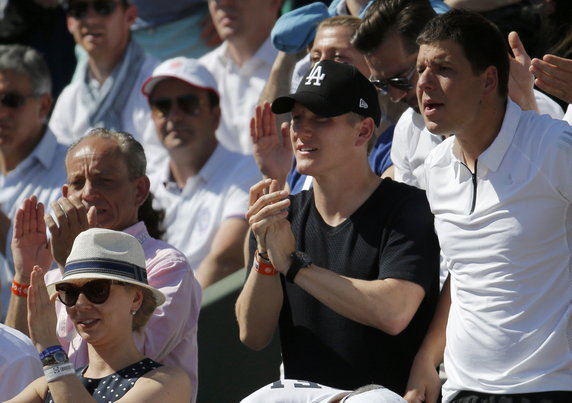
[
  {"x": 257, "y": 190},
  {"x": 518, "y": 48},
  {"x": 285, "y": 131},
  {"x": 268, "y": 120},
  {"x": 92, "y": 217},
  {"x": 554, "y": 75},
  {"x": 263, "y": 123},
  {"x": 266, "y": 195},
  {"x": 71, "y": 214}
]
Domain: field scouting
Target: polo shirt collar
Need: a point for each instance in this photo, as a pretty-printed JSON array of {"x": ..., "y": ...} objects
[
  {"x": 492, "y": 157},
  {"x": 206, "y": 173},
  {"x": 212, "y": 166}
]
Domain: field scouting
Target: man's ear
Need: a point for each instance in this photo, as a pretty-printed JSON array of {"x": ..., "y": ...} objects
[
  {"x": 45, "y": 106},
  {"x": 491, "y": 80},
  {"x": 142, "y": 186},
  {"x": 65, "y": 189},
  {"x": 366, "y": 130},
  {"x": 131, "y": 14}
]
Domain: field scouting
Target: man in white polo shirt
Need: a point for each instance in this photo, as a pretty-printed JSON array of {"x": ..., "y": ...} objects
[
  {"x": 501, "y": 192},
  {"x": 202, "y": 186}
]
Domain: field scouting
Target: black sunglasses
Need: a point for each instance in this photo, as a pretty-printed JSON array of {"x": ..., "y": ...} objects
[
  {"x": 190, "y": 104},
  {"x": 79, "y": 9},
  {"x": 97, "y": 291},
  {"x": 13, "y": 100},
  {"x": 401, "y": 83}
]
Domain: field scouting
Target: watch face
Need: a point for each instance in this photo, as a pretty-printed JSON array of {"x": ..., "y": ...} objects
[
  {"x": 304, "y": 258},
  {"x": 60, "y": 356}
]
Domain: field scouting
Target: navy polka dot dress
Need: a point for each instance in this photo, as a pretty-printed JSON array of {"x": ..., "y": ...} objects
[{"x": 114, "y": 386}]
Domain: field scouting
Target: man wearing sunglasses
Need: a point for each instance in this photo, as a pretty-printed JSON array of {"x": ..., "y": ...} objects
[
  {"x": 105, "y": 91},
  {"x": 31, "y": 159},
  {"x": 202, "y": 186},
  {"x": 387, "y": 36}
]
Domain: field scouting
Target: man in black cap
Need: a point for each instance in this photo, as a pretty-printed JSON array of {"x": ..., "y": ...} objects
[{"x": 349, "y": 269}]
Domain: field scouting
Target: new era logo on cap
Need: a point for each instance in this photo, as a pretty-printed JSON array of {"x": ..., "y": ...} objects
[{"x": 332, "y": 89}]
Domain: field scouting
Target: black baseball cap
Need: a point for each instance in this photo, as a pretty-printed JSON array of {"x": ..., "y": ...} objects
[{"x": 331, "y": 89}]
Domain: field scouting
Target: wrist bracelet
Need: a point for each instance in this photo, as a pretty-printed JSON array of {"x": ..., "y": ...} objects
[
  {"x": 21, "y": 290},
  {"x": 50, "y": 350},
  {"x": 57, "y": 371},
  {"x": 263, "y": 256},
  {"x": 263, "y": 267}
]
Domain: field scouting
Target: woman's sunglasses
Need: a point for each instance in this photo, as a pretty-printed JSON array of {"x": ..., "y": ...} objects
[
  {"x": 97, "y": 291},
  {"x": 79, "y": 9},
  {"x": 189, "y": 104}
]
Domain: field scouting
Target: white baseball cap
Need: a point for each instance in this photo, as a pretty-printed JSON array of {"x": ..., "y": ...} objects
[{"x": 184, "y": 69}]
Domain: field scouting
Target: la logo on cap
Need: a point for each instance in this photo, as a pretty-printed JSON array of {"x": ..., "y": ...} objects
[
  {"x": 363, "y": 104},
  {"x": 316, "y": 75}
]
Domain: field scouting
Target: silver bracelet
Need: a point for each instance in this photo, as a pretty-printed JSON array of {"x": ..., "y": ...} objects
[{"x": 57, "y": 371}]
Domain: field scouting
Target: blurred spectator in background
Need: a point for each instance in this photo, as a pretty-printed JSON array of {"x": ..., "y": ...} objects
[
  {"x": 40, "y": 24},
  {"x": 31, "y": 159},
  {"x": 241, "y": 65},
  {"x": 174, "y": 28},
  {"x": 107, "y": 92},
  {"x": 202, "y": 186}
]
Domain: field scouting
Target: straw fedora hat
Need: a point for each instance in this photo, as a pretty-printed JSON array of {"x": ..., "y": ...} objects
[{"x": 99, "y": 253}]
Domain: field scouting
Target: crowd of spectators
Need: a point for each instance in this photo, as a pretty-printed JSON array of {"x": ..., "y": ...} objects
[{"x": 393, "y": 176}]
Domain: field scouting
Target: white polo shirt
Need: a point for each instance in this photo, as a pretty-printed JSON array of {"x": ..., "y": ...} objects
[
  {"x": 239, "y": 88},
  {"x": 218, "y": 192},
  {"x": 412, "y": 142},
  {"x": 510, "y": 323}
]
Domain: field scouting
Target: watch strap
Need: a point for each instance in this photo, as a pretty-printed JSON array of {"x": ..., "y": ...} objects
[{"x": 299, "y": 261}]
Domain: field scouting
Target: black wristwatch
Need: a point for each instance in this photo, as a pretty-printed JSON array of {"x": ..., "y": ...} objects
[
  {"x": 299, "y": 261},
  {"x": 59, "y": 357}
]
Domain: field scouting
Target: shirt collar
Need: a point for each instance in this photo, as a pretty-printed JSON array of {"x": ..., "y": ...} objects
[
  {"x": 139, "y": 231},
  {"x": 492, "y": 157},
  {"x": 44, "y": 151},
  {"x": 206, "y": 173}
]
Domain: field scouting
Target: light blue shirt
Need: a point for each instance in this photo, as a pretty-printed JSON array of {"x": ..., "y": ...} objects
[{"x": 42, "y": 173}]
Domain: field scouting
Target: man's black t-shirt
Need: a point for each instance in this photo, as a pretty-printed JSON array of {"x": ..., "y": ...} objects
[{"x": 390, "y": 236}]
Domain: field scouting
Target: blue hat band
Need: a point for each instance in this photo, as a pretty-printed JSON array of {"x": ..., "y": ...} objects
[{"x": 104, "y": 266}]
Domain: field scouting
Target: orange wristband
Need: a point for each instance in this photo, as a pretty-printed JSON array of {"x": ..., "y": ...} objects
[
  {"x": 263, "y": 267},
  {"x": 20, "y": 290}
]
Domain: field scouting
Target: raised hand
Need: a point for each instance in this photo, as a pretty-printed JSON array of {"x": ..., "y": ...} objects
[
  {"x": 272, "y": 152},
  {"x": 72, "y": 217},
  {"x": 29, "y": 242},
  {"x": 266, "y": 216},
  {"x": 521, "y": 81},
  {"x": 554, "y": 75},
  {"x": 41, "y": 312}
]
